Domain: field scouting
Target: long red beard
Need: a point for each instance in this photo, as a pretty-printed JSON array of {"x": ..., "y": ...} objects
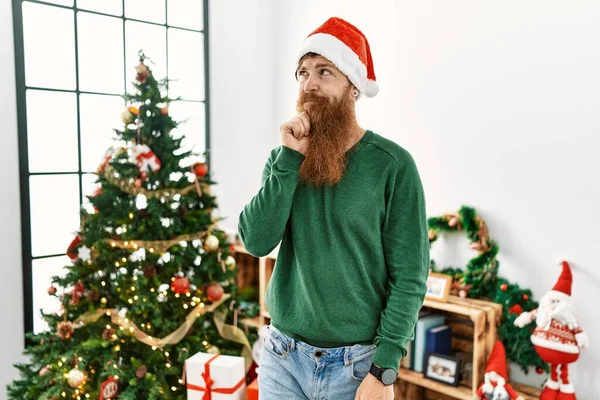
[{"x": 325, "y": 161}]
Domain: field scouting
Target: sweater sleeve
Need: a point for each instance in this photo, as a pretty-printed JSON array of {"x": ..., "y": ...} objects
[
  {"x": 263, "y": 220},
  {"x": 406, "y": 250}
]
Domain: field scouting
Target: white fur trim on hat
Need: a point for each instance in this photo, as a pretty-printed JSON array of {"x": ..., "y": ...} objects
[
  {"x": 556, "y": 295},
  {"x": 343, "y": 58}
]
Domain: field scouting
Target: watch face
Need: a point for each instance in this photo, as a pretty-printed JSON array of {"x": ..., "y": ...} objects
[{"x": 388, "y": 377}]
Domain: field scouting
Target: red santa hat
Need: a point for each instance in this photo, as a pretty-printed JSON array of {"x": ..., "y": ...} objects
[
  {"x": 348, "y": 49},
  {"x": 497, "y": 361},
  {"x": 562, "y": 288}
]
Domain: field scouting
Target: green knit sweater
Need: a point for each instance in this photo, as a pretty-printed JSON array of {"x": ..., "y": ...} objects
[{"x": 354, "y": 257}]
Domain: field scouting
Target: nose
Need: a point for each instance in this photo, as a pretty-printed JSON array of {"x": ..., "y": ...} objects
[{"x": 310, "y": 85}]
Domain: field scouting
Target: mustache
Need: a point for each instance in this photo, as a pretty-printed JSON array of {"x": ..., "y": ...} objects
[{"x": 309, "y": 102}]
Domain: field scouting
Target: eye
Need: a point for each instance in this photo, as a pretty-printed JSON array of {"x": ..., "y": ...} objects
[{"x": 325, "y": 72}]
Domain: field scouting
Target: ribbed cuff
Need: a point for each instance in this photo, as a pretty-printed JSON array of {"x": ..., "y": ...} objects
[
  {"x": 388, "y": 355},
  {"x": 289, "y": 159}
]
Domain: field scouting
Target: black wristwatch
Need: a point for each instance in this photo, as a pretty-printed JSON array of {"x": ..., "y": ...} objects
[{"x": 387, "y": 376}]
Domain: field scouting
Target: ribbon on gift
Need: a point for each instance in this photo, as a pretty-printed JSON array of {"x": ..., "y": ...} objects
[{"x": 208, "y": 390}]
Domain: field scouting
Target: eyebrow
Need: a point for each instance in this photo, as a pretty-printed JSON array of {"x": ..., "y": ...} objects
[{"x": 318, "y": 65}]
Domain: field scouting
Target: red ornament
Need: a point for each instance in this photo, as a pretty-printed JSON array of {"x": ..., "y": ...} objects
[
  {"x": 51, "y": 290},
  {"x": 180, "y": 285},
  {"x": 71, "y": 252},
  {"x": 76, "y": 293},
  {"x": 504, "y": 287},
  {"x": 539, "y": 370},
  {"x": 143, "y": 175},
  {"x": 138, "y": 183},
  {"x": 109, "y": 389},
  {"x": 525, "y": 297},
  {"x": 214, "y": 292},
  {"x": 200, "y": 169},
  {"x": 516, "y": 309},
  {"x": 164, "y": 110}
]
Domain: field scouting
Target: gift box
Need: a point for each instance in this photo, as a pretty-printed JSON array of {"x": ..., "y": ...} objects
[
  {"x": 252, "y": 390},
  {"x": 215, "y": 377}
]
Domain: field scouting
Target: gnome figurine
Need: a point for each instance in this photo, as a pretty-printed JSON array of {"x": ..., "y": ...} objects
[
  {"x": 557, "y": 336},
  {"x": 495, "y": 385}
]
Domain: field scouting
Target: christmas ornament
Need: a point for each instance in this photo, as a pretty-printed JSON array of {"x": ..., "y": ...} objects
[
  {"x": 141, "y": 372},
  {"x": 138, "y": 183},
  {"x": 557, "y": 336},
  {"x": 164, "y": 110},
  {"x": 213, "y": 350},
  {"x": 211, "y": 243},
  {"x": 504, "y": 287},
  {"x": 128, "y": 116},
  {"x": 76, "y": 378},
  {"x": 45, "y": 370},
  {"x": 495, "y": 385},
  {"x": 76, "y": 293},
  {"x": 516, "y": 309},
  {"x": 109, "y": 389},
  {"x": 108, "y": 333},
  {"x": 214, "y": 292},
  {"x": 180, "y": 285},
  {"x": 65, "y": 329},
  {"x": 84, "y": 253},
  {"x": 51, "y": 290},
  {"x": 539, "y": 370},
  {"x": 145, "y": 159},
  {"x": 149, "y": 271},
  {"x": 107, "y": 157},
  {"x": 200, "y": 169},
  {"x": 230, "y": 262},
  {"x": 142, "y": 73},
  {"x": 525, "y": 297},
  {"x": 71, "y": 250}
]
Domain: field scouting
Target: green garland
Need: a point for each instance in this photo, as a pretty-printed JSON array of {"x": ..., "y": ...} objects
[{"x": 479, "y": 279}]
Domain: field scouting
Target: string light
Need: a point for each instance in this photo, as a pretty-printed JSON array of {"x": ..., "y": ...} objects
[
  {"x": 133, "y": 288},
  {"x": 117, "y": 264},
  {"x": 103, "y": 283}
]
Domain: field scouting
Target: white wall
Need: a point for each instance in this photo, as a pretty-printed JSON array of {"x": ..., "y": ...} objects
[
  {"x": 243, "y": 130},
  {"x": 498, "y": 103},
  {"x": 11, "y": 292}
]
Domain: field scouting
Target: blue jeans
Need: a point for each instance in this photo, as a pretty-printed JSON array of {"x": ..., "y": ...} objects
[{"x": 294, "y": 370}]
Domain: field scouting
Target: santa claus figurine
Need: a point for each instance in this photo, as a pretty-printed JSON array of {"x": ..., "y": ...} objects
[
  {"x": 557, "y": 336},
  {"x": 495, "y": 385}
]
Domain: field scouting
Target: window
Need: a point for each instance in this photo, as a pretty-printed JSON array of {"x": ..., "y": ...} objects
[{"x": 75, "y": 58}]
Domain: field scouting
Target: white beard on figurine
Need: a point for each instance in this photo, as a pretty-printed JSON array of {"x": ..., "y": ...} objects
[
  {"x": 557, "y": 336},
  {"x": 495, "y": 385}
]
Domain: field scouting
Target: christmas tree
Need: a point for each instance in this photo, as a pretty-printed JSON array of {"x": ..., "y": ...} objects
[{"x": 152, "y": 279}]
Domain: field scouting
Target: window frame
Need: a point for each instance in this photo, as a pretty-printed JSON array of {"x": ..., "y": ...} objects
[{"x": 22, "y": 130}]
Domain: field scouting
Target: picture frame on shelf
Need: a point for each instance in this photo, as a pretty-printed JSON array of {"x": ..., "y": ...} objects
[
  {"x": 438, "y": 287},
  {"x": 442, "y": 368}
]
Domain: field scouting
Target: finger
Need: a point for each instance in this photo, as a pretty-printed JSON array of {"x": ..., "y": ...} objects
[
  {"x": 298, "y": 129},
  {"x": 306, "y": 121}
]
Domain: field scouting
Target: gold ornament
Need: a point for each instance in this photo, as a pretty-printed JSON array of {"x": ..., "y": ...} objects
[
  {"x": 76, "y": 378},
  {"x": 213, "y": 350},
  {"x": 211, "y": 243},
  {"x": 230, "y": 263},
  {"x": 127, "y": 117}
]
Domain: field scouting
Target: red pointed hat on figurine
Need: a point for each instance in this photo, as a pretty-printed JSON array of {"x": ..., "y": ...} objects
[
  {"x": 557, "y": 336},
  {"x": 495, "y": 385},
  {"x": 348, "y": 49}
]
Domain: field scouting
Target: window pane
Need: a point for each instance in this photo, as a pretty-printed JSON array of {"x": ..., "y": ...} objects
[
  {"x": 146, "y": 10},
  {"x": 89, "y": 186},
  {"x": 152, "y": 39},
  {"x": 193, "y": 128},
  {"x": 49, "y": 45},
  {"x": 54, "y": 213},
  {"x": 186, "y": 64},
  {"x": 114, "y": 7},
  {"x": 186, "y": 14},
  {"x": 99, "y": 115},
  {"x": 42, "y": 272},
  {"x": 52, "y": 131},
  {"x": 100, "y": 53}
]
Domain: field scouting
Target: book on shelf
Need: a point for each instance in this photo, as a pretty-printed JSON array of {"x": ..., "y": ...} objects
[
  {"x": 423, "y": 324},
  {"x": 439, "y": 340}
]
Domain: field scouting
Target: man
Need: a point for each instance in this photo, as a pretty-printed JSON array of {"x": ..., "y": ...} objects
[{"x": 349, "y": 210}]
